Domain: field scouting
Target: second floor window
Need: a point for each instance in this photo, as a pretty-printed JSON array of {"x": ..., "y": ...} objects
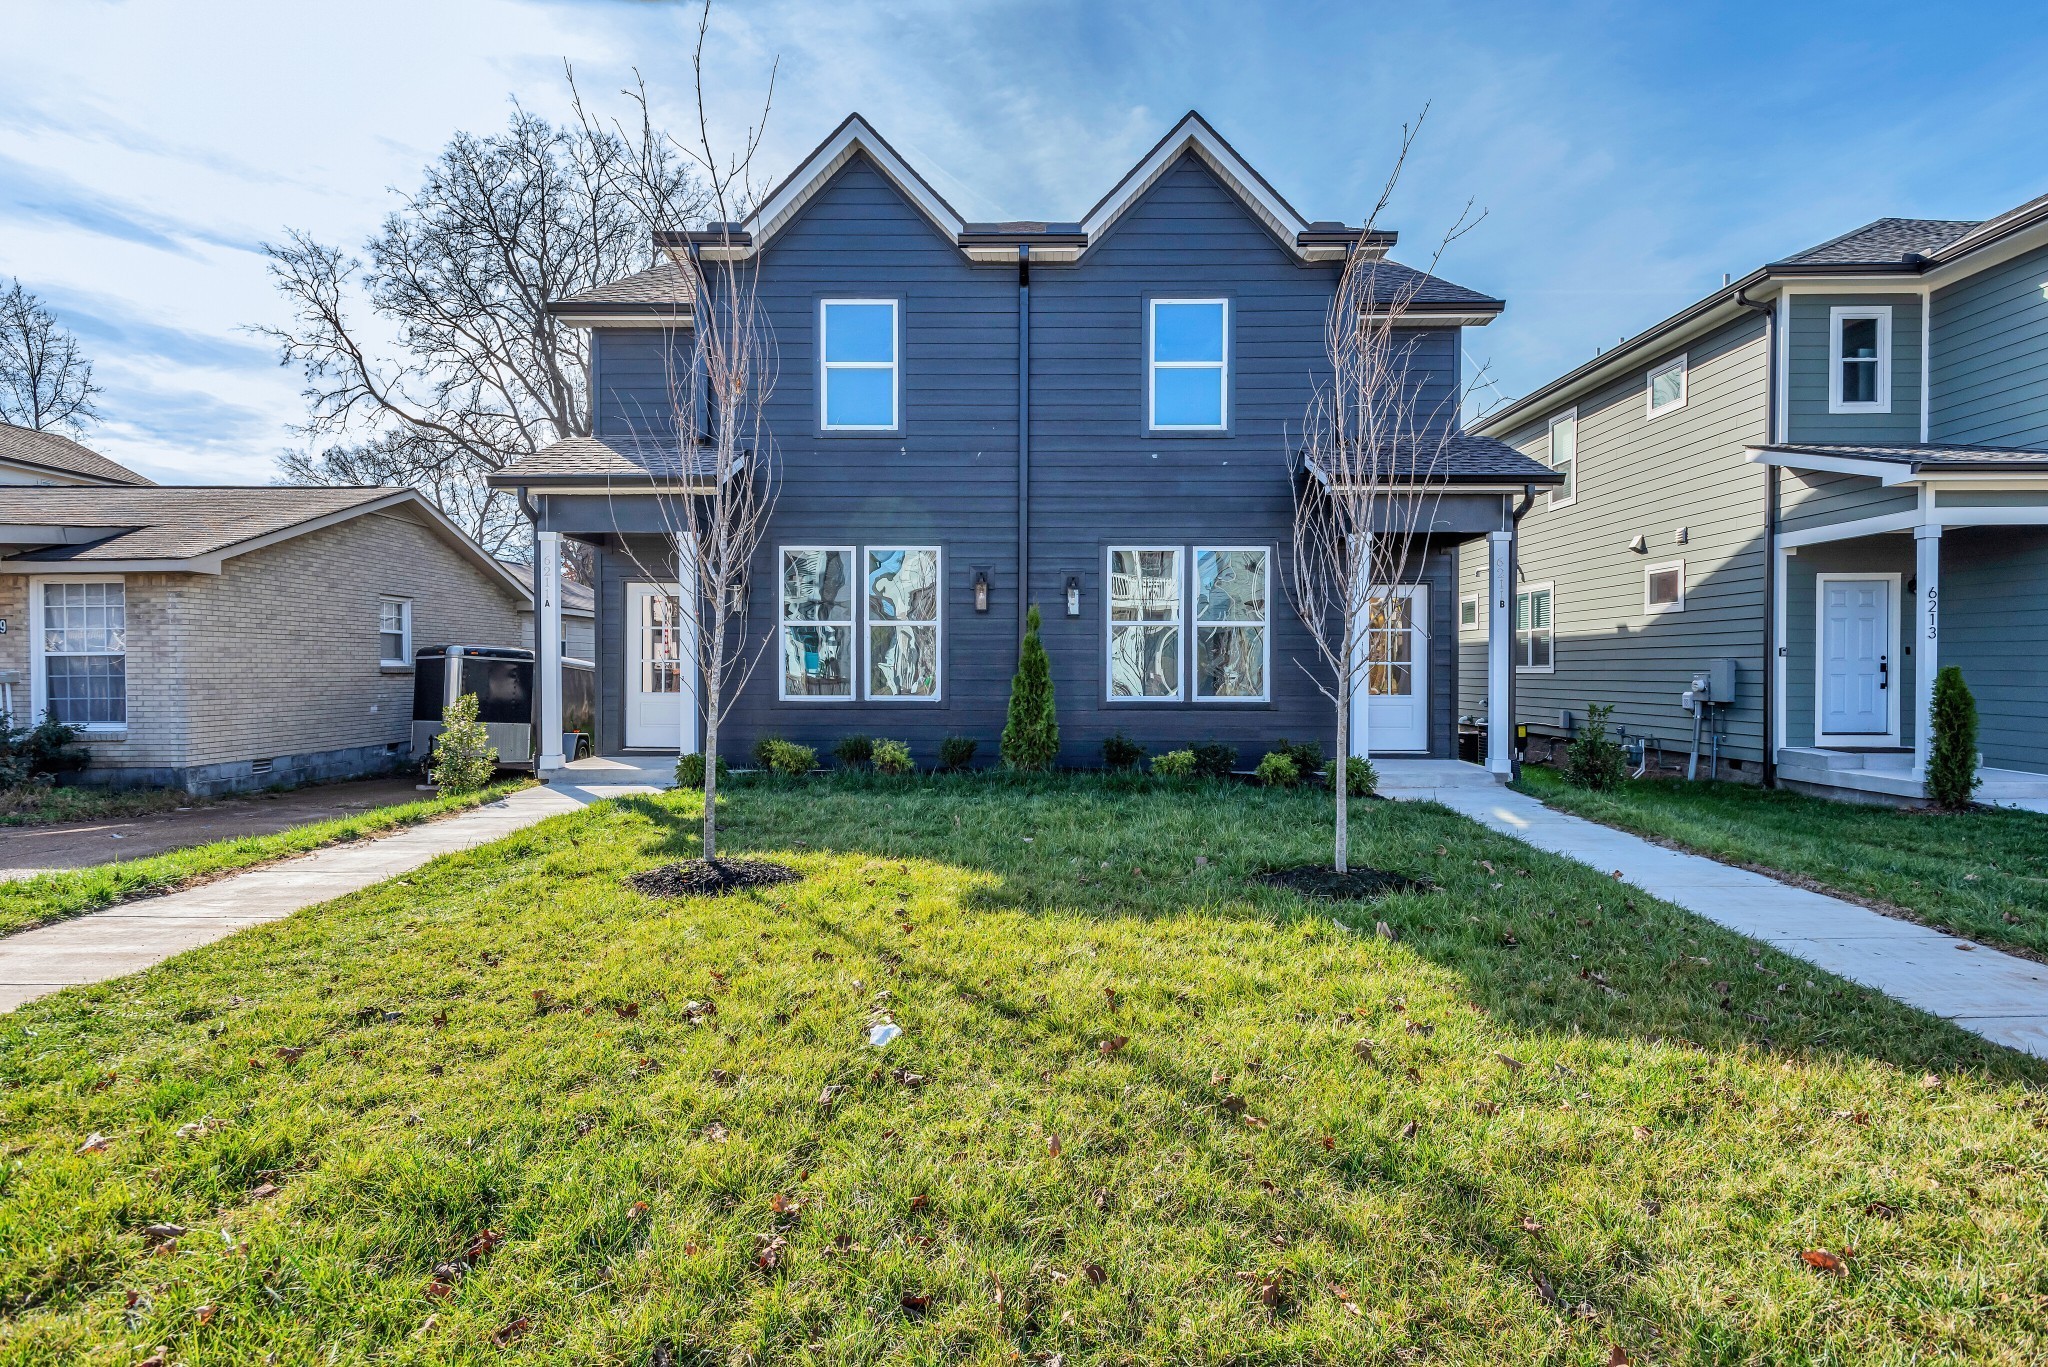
[
  {"x": 1564, "y": 457},
  {"x": 1860, "y": 373},
  {"x": 1188, "y": 372},
  {"x": 1667, "y": 387},
  {"x": 859, "y": 376}
]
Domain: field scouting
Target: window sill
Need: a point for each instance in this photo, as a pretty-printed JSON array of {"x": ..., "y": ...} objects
[
  {"x": 95, "y": 734},
  {"x": 386, "y": 667}
]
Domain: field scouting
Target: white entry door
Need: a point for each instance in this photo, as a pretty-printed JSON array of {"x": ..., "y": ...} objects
[
  {"x": 1856, "y": 648},
  {"x": 660, "y": 697},
  {"x": 1390, "y": 714}
]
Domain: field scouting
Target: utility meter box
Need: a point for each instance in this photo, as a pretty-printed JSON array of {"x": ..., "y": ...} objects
[{"x": 1721, "y": 681}]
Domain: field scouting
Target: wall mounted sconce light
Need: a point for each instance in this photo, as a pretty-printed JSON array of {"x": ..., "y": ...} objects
[
  {"x": 981, "y": 588},
  {"x": 1073, "y": 595}
]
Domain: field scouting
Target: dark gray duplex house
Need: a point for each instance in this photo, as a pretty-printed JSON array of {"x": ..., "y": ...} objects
[
  {"x": 1833, "y": 472},
  {"x": 1090, "y": 416}
]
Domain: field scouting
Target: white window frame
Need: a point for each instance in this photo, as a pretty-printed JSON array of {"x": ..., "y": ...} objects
[
  {"x": 39, "y": 677},
  {"x": 404, "y": 605},
  {"x": 1681, "y": 364},
  {"x": 857, "y": 585},
  {"x": 1153, "y": 365},
  {"x": 938, "y": 623},
  {"x": 893, "y": 365},
  {"x": 1110, "y": 625},
  {"x": 1548, "y": 586},
  {"x": 1838, "y": 315},
  {"x": 1470, "y": 600},
  {"x": 1570, "y": 415},
  {"x": 1191, "y": 672},
  {"x": 1649, "y": 608}
]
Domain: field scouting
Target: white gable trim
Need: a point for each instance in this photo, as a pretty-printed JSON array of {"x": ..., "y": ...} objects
[
  {"x": 1192, "y": 134},
  {"x": 854, "y": 137}
]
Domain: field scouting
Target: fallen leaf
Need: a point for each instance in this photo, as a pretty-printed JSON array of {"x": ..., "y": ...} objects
[
  {"x": 921, "y": 1201},
  {"x": 1617, "y": 1358},
  {"x": 512, "y": 1332},
  {"x": 95, "y": 1143},
  {"x": 480, "y": 1247},
  {"x": 290, "y": 1054},
  {"x": 1095, "y": 1273},
  {"x": 1822, "y": 1260},
  {"x": 627, "y": 1011},
  {"x": 916, "y": 1304},
  {"x": 1363, "y": 1049},
  {"x": 158, "y": 1234},
  {"x": 636, "y": 1210},
  {"x": 1881, "y": 1210},
  {"x": 1052, "y": 1146},
  {"x": 1545, "y": 1292},
  {"x": 1113, "y": 1044},
  {"x": 1408, "y": 1130},
  {"x": 205, "y": 1313},
  {"x": 1329, "y": 1143},
  {"x": 1642, "y": 1133},
  {"x": 784, "y": 1205},
  {"x": 1931, "y": 1083},
  {"x": 1344, "y": 1299},
  {"x": 263, "y": 1192},
  {"x": 1514, "y": 1065},
  {"x": 1531, "y": 1224}
]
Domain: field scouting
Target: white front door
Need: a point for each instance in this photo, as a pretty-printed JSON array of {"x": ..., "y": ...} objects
[
  {"x": 1856, "y": 647},
  {"x": 1390, "y": 712},
  {"x": 660, "y": 710}
]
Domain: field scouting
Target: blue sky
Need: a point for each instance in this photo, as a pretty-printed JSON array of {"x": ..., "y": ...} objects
[{"x": 1626, "y": 154}]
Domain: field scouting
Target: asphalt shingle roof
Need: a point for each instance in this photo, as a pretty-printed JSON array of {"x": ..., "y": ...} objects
[
  {"x": 1391, "y": 281},
  {"x": 664, "y": 283},
  {"x": 1883, "y": 243},
  {"x": 1465, "y": 459},
  {"x": 1934, "y": 456},
  {"x": 168, "y": 522},
  {"x": 604, "y": 459},
  {"x": 61, "y": 454}
]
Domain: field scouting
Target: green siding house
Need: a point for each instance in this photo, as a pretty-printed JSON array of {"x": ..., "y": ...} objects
[{"x": 1833, "y": 473}]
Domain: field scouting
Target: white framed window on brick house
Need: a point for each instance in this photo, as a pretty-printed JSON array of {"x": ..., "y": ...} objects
[
  {"x": 904, "y": 589},
  {"x": 1564, "y": 458},
  {"x": 1188, "y": 365},
  {"x": 80, "y": 656},
  {"x": 1860, "y": 359},
  {"x": 1664, "y": 587},
  {"x": 859, "y": 341},
  {"x": 1664, "y": 389},
  {"x": 1144, "y": 604},
  {"x": 394, "y": 632},
  {"x": 1233, "y": 612},
  {"x": 1535, "y": 630}
]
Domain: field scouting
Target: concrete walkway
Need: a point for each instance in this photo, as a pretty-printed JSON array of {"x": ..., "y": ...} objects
[
  {"x": 132, "y": 936},
  {"x": 2000, "y": 996}
]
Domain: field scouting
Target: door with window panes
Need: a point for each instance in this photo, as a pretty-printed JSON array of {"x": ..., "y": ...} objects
[{"x": 1390, "y": 705}]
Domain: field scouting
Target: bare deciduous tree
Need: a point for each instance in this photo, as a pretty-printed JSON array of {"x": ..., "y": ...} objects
[
  {"x": 45, "y": 379},
  {"x": 717, "y": 423},
  {"x": 479, "y": 373},
  {"x": 1375, "y": 455}
]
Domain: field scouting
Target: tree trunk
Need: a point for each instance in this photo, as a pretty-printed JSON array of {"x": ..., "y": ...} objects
[
  {"x": 712, "y": 701},
  {"x": 1340, "y": 772}
]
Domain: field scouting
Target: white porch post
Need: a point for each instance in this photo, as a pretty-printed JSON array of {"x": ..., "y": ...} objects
[
  {"x": 689, "y": 607},
  {"x": 547, "y": 625},
  {"x": 1926, "y": 638},
  {"x": 1500, "y": 640}
]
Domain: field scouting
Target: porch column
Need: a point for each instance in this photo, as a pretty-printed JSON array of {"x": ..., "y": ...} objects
[
  {"x": 547, "y": 628},
  {"x": 1500, "y": 641},
  {"x": 689, "y": 612},
  {"x": 1924, "y": 631}
]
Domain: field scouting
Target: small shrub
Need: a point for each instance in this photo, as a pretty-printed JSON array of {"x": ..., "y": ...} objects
[
  {"x": 893, "y": 757},
  {"x": 690, "y": 770},
  {"x": 957, "y": 752},
  {"x": 1364, "y": 780},
  {"x": 1952, "y": 759},
  {"x": 1121, "y": 752},
  {"x": 37, "y": 753},
  {"x": 1174, "y": 764},
  {"x": 853, "y": 751},
  {"x": 780, "y": 756},
  {"x": 1594, "y": 759},
  {"x": 464, "y": 758},
  {"x": 1031, "y": 735},
  {"x": 1307, "y": 756},
  {"x": 1278, "y": 770},
  {"x": 1213, "y": 759}
]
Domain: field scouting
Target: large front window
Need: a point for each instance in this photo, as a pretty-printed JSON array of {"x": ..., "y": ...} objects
[
  {"x": 85, "y": 653},
  {"x": 903, "y": 622},
  {"x": 1231, "y": 614},
  {"x": 858, "y": 342},
  {"x": 1190, "y": 367},
  {"x": 1144, "y": 622},
  {"x": 817, "y": 622}
]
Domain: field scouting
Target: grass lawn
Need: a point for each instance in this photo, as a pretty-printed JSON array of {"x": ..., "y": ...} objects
[
  {"x": 27, "y": 902},
  {"x": 1142, "y": 1110},
  {"x": 1981, "y": 873}
]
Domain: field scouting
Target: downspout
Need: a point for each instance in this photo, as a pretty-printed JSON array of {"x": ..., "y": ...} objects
[
  {"x": 1514, "y": 578},
  {"x": 1772, "y": 477},
  {"x": 1023, "y": 434}
]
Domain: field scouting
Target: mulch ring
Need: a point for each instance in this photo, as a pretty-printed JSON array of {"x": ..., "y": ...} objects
[
  {"x": 709, "y": 877},
  {"x": 1355, "y": 885}
]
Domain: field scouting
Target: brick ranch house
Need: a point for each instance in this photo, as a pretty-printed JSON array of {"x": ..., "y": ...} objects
[{"x": 223, "y": 638}]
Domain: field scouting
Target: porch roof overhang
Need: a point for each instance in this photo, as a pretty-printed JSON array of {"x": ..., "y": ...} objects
[
  {"x": 1894, "y": 464},
  {"x": 608, "y": 465},
  {"x": 1463, "y": 461}
]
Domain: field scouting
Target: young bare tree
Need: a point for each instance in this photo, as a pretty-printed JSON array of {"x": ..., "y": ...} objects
[
  {"x": 1375, "y": 453},
  {"x": 461, "y": 275},
  {"x": 717, "y": 421},
  {"x": 45, "y": 379}
]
